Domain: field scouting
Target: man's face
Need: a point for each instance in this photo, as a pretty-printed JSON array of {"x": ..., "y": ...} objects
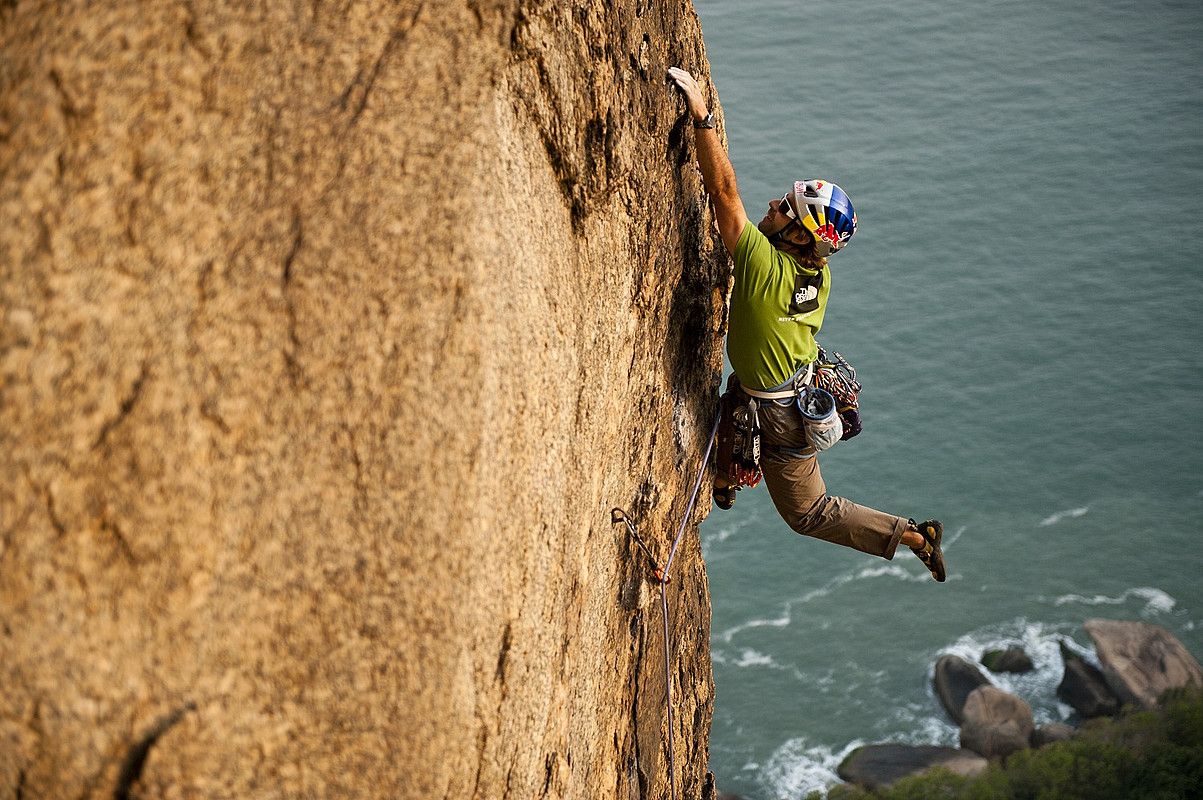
[{"x": 775, "y": 220}]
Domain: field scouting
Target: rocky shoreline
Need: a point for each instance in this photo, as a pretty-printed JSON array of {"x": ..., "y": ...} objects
[{"x": 1137, "y": 663}]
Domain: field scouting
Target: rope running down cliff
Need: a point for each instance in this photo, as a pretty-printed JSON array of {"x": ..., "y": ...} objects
[{"x": 663, "y": 578}]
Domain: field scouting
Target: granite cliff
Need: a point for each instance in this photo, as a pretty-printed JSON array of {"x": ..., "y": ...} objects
[{"x": 329, "y": 336}]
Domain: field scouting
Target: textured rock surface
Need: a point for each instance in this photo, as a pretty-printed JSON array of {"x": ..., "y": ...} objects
[
  {"x": 1051, "y": 733},
  {"x": 953, "y": 679},
  {"x": 997, "y": 723},
  {"x": 1084, "y": 688},
  {"x": 879, "y": 765},
  {"x": 1141, "y": 661},
  {"x": 329, "y": 335},
  {"x": 1013, "y": 659}
]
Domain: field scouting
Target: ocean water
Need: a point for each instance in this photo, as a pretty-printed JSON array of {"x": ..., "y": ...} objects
[{"x": 1022, "y": 305}]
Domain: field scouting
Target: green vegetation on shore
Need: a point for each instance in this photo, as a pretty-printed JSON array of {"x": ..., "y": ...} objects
[{"x": 1140, "y": 755}]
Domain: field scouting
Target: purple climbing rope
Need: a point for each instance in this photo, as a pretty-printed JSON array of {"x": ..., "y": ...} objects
[{"x": 662, "y": 577}]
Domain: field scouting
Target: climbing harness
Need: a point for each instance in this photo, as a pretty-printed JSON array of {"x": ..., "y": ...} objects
[
  {"x": 737, "y": 454},
  {"x": 785, "y": 391},
  {"x": 663, "y": 579}
]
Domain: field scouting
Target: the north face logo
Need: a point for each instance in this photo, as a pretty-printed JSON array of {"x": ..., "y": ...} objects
[{"x": 806, "y": 293}]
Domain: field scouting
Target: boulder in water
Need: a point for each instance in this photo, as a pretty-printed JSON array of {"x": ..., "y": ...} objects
[
  {"x": 1051, "y": 733},
  {"x": 878, "y": 765},
  {"x": 954, "y": 679},
  {"x": 1142, "y": 661},
  {"x": 1013, "y": 659},
  {"x": 997, "y": 723},
  {"x": 1084, "y": 688}
]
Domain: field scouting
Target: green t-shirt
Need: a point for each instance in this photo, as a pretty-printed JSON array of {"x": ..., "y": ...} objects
[{"x": 777, "y": 307}]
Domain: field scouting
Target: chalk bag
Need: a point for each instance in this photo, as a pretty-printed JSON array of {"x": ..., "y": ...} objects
[{"x": 823, "y": 425}]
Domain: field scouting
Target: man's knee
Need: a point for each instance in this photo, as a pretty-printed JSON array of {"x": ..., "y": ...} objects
[{"x": 819, "y": 519}]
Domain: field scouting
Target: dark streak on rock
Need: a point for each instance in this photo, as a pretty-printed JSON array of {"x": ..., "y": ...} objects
[
  {"x": 298, "y": 238},
  {"x": 549, "y": 764},
  {"x": 344, "y": 97},
  {"x": 294, "y": 343},
  {"x": 636, "y": 681},
  {"x": 400, "y": 30},
  {"x": 509, "y": 777},
  {"x": 208, "y": 412},
  {"x": 123, "y": 411},
  {"x": 130, "y": 211},
  {"x": 361, "y": 488},
  {"x": 190, "y": 32},
  {"x": 503, "y": 655},
  {"x": 483, "y": 741},
  {"x": 113, "y": 529},
  {"x": 66, "y": 103},
  {"x": 45, "y": 244},
  {"x": 269, "y": 180},
  {"x": 135, "y": 759},
  {"x": 202, "y": 282}
]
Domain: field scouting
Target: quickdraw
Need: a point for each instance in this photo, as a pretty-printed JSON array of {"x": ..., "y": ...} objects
[
  {"x": 737, "y": 446},
  {"x": 838, "y": 377}
]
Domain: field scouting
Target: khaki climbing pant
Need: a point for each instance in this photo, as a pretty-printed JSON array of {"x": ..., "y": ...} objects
[{"x": 797, "y": 488}]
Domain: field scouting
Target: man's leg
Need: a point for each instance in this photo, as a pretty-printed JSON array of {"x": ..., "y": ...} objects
[{"x": 800, "y": 495}]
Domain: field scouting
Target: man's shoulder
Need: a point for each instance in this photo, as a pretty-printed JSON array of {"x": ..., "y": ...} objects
[{"x": 754, "y": 250}]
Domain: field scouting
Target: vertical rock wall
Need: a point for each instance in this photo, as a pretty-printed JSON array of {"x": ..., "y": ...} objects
[{"x": 329, "y": 335}]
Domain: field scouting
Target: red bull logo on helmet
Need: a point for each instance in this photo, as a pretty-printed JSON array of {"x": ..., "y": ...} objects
[{"x": 827, "y": 233}]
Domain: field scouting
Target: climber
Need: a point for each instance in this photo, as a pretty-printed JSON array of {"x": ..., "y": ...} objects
[{"x": 782, "y": 281}]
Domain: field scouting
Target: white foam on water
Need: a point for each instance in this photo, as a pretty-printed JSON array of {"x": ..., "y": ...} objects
[
  {"x": 754, "y": 658},
  {"x": 1156, "y": 601},
  {"x": 794, "y": 770},
  {"x": 896, "y": 571},
  {"x": 776, "y": 622},
  {"x": 917, "y": 724},
  {"x": 1053, "y": 519},
  {"x": 951, "y": 540},
  {"x": 915, "y": 574},
  {"x": 720, "y": 534}
]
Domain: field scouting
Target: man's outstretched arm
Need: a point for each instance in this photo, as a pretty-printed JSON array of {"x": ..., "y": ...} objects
[{"x": 717, "y": 173}]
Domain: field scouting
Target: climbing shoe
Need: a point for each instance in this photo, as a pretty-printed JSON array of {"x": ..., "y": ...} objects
[
  {"x": 930, "y": 553},
  {"x": 724, "y": 497}
]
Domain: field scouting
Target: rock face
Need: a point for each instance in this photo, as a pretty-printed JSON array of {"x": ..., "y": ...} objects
[
  {"x": 878, "y": 765},
  {"x": 328, "y": 338},
  {"x": 953, "y": 680},
  {"x": 997, "y": 723},
  {"x": 1084, "y": 688},
  {"x": 1141, "y": 661},
  {"x": 1013, "y": 659}
]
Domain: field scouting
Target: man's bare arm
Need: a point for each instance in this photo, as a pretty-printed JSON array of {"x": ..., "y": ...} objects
[{"x": 717, "y": 173}]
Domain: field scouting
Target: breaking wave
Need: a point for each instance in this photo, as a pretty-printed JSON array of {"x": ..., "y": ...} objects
[
  {"x": 795, "y": 769},
  {"x": 1053, "y": 519},
  {"x": 1156, "y": 601}
]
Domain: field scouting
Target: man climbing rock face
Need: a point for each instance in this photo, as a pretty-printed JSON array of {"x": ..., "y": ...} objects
[{"x": 782, "y": 283}]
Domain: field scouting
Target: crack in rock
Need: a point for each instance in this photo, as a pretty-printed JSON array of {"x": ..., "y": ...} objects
[{"x": 135, "y": 759}]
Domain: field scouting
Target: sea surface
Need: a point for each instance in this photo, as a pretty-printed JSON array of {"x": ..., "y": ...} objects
[{"x": 1023, "y": 305}]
